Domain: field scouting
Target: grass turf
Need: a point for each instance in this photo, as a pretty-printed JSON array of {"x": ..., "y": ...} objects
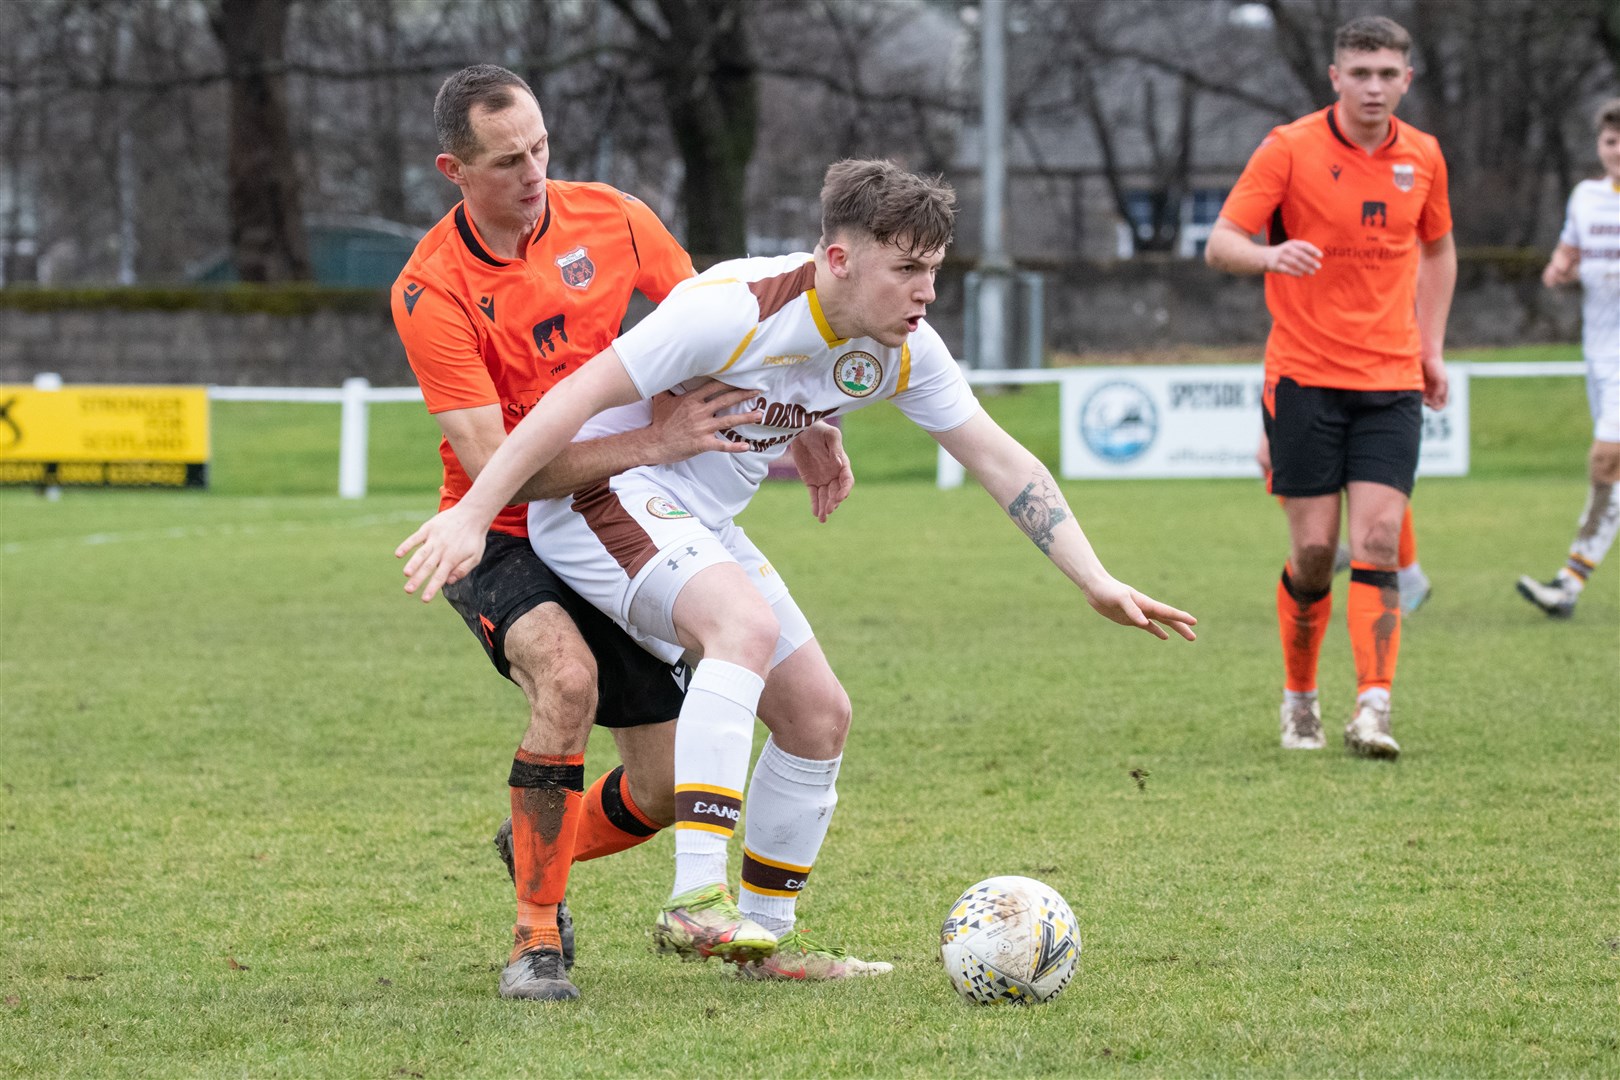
[{"x": 246, "y": 788}]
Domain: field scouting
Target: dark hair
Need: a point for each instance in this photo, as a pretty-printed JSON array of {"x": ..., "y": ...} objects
[
  {"x": 1371, "y": 33},
  {"x": 881, "y": 200},
  {"x": 483, "y": 85},
  {"x": 1608, "y": 116}
]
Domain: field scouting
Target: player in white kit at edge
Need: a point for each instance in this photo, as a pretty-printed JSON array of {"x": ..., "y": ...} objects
[{"x": 657, "y": 550}]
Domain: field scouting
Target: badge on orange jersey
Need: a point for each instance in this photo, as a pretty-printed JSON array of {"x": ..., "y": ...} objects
[
  {"x": 577, "y": 269},
  {"x": 1405, "y": 177}
]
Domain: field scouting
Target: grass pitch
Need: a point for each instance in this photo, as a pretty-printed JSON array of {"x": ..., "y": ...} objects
[{"x": 246, "y": 788}]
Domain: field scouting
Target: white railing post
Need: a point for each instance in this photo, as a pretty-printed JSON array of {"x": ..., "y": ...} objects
[
  {"x": 352, "y": 450},
  {"x": 948, "y": 473},
  {"x": 51, "y": 381}
]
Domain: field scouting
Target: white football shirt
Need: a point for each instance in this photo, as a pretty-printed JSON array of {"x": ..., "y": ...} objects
[
  {"x": 757, "y": 323},
  {"x": 1592, "y": 224}
]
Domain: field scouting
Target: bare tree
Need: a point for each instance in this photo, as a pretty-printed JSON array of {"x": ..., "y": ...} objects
[
  {"x": 267, "y": 227},
  {"x": 701, "y": 56}
]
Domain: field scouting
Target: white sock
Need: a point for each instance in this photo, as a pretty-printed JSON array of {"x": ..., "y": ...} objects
[
  {"x": 790, "y": 805},
  {"x": 1295, "y": 698},
  {"x": 1600, "y": 520},
  {"x": 1377, "y": 695},
  {"x": 713, "y": 737}
]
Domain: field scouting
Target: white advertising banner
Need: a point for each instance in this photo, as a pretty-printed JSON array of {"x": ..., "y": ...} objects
[{"x": 1203, "y": 420}]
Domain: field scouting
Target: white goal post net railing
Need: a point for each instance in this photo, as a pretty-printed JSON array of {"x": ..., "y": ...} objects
[{"x": 357, "y": 395}]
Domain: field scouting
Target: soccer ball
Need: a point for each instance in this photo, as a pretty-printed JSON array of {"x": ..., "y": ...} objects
[{"x": 1010, "y": 939}]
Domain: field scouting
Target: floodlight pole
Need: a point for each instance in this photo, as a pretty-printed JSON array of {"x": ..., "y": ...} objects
[{"x": 995, "y": 267}]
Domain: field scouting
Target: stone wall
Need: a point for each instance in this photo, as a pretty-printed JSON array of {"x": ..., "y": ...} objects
[{"x": 1136, "y": 306}]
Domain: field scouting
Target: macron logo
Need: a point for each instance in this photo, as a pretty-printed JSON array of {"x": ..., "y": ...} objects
[{"x": 411, "y": 294}]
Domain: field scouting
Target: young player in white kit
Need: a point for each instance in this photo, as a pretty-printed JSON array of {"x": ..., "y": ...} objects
[
  {"x": 1589, "y": 251},
  {"x": 657, "y": 549}
]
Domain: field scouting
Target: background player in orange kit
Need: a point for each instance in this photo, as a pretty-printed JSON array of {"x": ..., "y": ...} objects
[
  {"x": 514, "y": 289},
  {"x": 1360, "y": 266}
]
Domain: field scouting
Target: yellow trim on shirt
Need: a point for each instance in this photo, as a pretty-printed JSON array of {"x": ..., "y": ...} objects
[
  {"x": 904, "y": 380},
  {"x": 735, "y": 354},
  {"x": 827, "y": 335}
]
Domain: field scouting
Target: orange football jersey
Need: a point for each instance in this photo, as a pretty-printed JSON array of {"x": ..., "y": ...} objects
[{"x": 480, "y": 330}]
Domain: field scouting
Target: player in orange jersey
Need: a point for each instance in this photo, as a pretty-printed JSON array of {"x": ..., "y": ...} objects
[
  {"x": 1360, "y": 266},
  {"x": 520, "y": 284}
]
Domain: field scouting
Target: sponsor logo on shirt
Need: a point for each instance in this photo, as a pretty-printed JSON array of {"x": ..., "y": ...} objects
[
  {"x": 784, "y": 360},
  {"x": 577, "y": 269},
  {"x": 1375, "y": 213},
  {"x": 1405, "y": 177},
  {"x": 543, "y": 333},
  {"x": 857, "y": 373}
]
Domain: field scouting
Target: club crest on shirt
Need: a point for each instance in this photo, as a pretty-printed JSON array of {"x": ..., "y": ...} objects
[
  {"x": 1405, "y": 177},
  {"x": 658, "y": 506},
  {"x": 857, "y": 373},
  {"x": 577, "y": 269}
]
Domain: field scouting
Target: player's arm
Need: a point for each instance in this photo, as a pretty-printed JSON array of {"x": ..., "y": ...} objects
[
  {"x": 1234, "y": 251},
  {"x": 1436, "y": 281},
  {"x": 1564, "y": 266},
  {"x": 1024, "y": 488},
  {"x": 450, "y": 544},
  {"x": 818, "y": 454},
  {"x": 683, "y": 426}
]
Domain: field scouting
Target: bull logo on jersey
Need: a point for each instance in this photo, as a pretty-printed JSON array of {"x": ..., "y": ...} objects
[
  {"x": 857, "y": 373},
  {"x": 1375, "y": 213},
  {"x": 1405, "y": 177},
  {"x": 543, "y": 334},
  {"x": 660, "y": 507},
  {"x": 577, "y": 269}
]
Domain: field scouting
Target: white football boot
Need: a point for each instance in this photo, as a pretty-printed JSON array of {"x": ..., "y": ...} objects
[
  {"x": 1367, "y": 733},
  {"x": 1302, "y": 724}
]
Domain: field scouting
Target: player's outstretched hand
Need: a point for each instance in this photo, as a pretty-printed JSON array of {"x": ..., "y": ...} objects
[
  {"x": 818, "y": 453},
  {"x": 1118, "y": 601},
  {"x": 687, "y": 424},
  {"x": 448, "y": 546}
]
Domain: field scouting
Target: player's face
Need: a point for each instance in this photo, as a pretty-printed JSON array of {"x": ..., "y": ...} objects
[
  {"x": 505, "y": 182},
  {"x": 1609, "y": 152},
  {"x": 893, "y": 286},
  {"x": 1370, "y": 85}
]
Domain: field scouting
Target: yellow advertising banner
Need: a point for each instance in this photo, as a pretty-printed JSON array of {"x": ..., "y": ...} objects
[{"x": 104, "y": 436}]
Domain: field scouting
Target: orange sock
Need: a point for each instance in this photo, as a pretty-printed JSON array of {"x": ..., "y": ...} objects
[
  {"x": 1302, "y": 619},
  {"x": 611, "y": 821},
  {"x": 1408, "y": 549},
  {"x": 1374, "y": 611},
  {"x": 546, "y": 805}
]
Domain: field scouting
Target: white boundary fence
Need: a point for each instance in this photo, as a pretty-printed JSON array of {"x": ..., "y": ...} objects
[{"x": 357, "y": 395}]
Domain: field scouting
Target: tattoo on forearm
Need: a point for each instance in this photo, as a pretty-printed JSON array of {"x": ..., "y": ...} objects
[{"x": 1038, "y": 510}]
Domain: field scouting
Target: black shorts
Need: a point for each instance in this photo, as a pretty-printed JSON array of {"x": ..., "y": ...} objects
[
  {"x": 1323, "y": 439},
  {"x": 633, "y": 686}
]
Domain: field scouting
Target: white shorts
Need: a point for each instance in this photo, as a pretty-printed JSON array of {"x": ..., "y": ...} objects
[
  {"x": 628, "y": 547},
  {"x": 1603, "y": 395}
]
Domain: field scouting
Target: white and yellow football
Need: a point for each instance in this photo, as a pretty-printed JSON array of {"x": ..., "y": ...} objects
[{"x": 1010, "y": 939}]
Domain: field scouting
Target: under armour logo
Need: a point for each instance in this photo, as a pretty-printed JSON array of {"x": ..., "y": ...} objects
[
  {"x": 675, "y": 561},
  {"x": 486, "y": 304}
]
